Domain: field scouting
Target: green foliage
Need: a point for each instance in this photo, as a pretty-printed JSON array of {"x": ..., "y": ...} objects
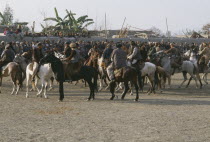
[{"x": 68, "y": 24}]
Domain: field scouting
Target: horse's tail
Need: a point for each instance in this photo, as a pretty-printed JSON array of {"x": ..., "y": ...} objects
[
  {"x": 140, "y": 81},
  {"x": 18, "y": 77}
]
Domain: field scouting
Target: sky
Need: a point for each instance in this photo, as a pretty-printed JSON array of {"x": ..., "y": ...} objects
[{"x": 142, "y": 14}]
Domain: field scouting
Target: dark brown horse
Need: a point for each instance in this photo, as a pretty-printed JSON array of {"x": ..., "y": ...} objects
[{"x": 125, "y": 75}]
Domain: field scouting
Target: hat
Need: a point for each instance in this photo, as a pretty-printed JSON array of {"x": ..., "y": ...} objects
[
  {"x": 67, "y": 42},
  {"x": 72, "y": 45},
  {"x": 39, "y": 44},
  {"x": 118, "y": 45}
]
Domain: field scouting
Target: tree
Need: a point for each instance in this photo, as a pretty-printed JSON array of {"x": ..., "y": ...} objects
[
  {"x": 156, "y": 31},
  {"x": 69, "y": 23},
  {"x": 6, "y": 18},
  {"x": 206, "y": 29}
]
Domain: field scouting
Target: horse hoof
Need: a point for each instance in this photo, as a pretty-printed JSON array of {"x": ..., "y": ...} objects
[
  {"x": 148, "y": 93},
  {"x": 60, "y": 100},
  {"x": 131, "y": 94},
  {"x": 112, "y": 98},
  {"x": 26, "y": 96},
  {"x": 136, "y": 100},
  {"x": 122, "y": 98}
]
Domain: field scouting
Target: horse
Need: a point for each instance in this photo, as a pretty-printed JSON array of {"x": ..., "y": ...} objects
[
  {"x": 13, "y": 70},
  {"x": 162, "y": 59},
  {"x": 87, "y": 73},
  {"x": 23, "y": 62},
  {"x": 45, "y": 73},
  {"x": 125, "y": 75},
  {"x": 102, "y": 72}
]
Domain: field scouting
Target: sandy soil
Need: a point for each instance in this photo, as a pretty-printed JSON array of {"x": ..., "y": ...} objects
[{"x": 176, "y": 115}]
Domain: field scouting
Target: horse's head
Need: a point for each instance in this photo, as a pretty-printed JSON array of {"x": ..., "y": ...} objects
[
  {"x": 48, "y": 58},
  {"x": 19, "y": 59}
]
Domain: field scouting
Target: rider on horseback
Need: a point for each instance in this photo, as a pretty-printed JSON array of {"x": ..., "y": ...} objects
[
  {"x": 72, "y": 64},
  {"x": 204, "y": 60},
  {"x": 118, "y": 59},
  {"x": 7, "y": 56},
  {"x": 37, "y": 55},
  {"x": 173, "y": 53}
]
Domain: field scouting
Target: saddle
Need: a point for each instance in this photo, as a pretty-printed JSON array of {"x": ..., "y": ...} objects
[{"x": 120, "y": 73}]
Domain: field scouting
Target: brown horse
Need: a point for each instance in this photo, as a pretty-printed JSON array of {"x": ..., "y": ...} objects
[
  {"x": 13, "y": 69},
  {"x": 125, "y": 75}
]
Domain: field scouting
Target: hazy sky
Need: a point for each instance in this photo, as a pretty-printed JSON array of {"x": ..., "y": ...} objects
[{"x": 143, "y": 14}]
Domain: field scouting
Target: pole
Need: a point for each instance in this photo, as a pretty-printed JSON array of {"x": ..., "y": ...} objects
[
  {"x": 167, "y": 29},
  {"x": 105, "y": 27},
  {"x": 122, "y": 27}
]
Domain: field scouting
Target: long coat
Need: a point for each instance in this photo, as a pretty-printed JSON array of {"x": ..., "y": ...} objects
[{"x": 118, "y": 58}]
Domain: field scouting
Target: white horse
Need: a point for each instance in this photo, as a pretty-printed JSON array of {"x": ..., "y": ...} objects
[
  {"x": 190, "y": 68},
  {"x": 45, "y": 74}
]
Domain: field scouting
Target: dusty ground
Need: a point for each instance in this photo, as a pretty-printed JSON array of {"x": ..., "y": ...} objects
[{"x": 176, "y": 115}]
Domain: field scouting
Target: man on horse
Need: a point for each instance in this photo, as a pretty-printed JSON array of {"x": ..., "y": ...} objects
[
  {"x": 118, "y": 59},
  {"x": 175, "y": 55},
  {"x": 37, "y": 55},
  {"x": 72, "y": 64},
  {"x": 67, "y": 49},
  {"x": 205, "y": 56},
  {"x": 7, "y": 56},
  {"x": 107, "y": 54}
]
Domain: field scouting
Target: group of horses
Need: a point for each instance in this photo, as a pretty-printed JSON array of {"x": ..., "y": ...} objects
[{"x": 51, "y": 67}]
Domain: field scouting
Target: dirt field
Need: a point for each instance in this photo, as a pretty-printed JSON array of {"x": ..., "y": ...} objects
[{"x": 176, "y": 115}]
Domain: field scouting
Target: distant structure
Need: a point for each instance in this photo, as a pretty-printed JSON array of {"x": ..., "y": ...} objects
[{"x": 123, "y": 34}]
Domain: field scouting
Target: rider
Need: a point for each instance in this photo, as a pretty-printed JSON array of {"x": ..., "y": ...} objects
[
  {"x": 134, "y": 54},
  {"x": 173, "y": 53},
  {"x": 107, "y": 54},
  {"x": 37, "y": 55},
  {"x": 118, "y": 59},
  {"x": 205, "y": 53},
  {"x": 7, "y": 56},
  {"x": 67, "y": 49},
  {"x": 73, "y": 61}
]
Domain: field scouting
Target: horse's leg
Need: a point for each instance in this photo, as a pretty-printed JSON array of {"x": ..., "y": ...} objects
[
  {"x": 198, "y": 77},
  {"x": 151, "y": 80},
  {"x": 185, "y": 78},
  {"x": 14, "y": 88},
  {"x": 0, "y": 82},
  {"x": 126, "y": 88},
  {"x": 51, "y": 84},
  {"x": 169, "y": 81},
  {"x": 100, "y": 84},
  {"x": 91, "y": 87},
  {"x": 61, "y": 91},
  {"x": 112, "y": 86},
  {"x": 204, "y": 78},
  {"x": 189, "y": 82},
  {"x": 42, "y": 87},
  {"x": 131, "y": 89},
  {"x": 137, "y": 91},
  {"x": 27, "y": 82},
  {"x": 45, "y": 89},
  {"x": 196, "y": 82}
]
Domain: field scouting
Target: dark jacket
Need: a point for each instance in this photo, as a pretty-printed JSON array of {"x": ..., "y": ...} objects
[{"x": 7, "y": 56}]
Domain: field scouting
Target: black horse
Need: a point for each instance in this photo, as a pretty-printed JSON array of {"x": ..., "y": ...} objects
[{"x": 87, "y": 73}]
